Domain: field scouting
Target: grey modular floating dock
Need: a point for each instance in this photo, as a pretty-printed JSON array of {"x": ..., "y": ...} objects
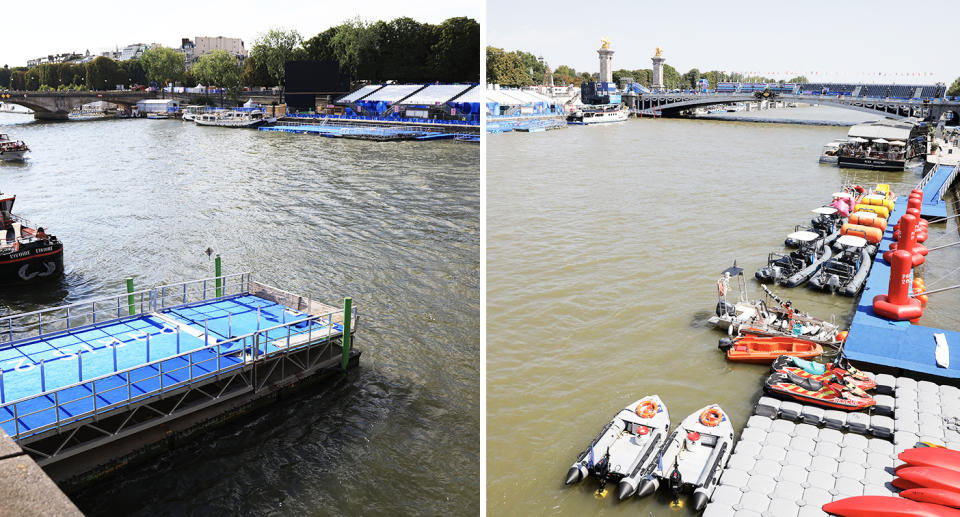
[{"x": 793, "y": 458}]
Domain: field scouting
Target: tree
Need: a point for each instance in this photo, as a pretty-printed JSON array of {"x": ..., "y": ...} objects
[
  {"x": 532, "y": 67},
  {"x": 218, "y": 68},
  {"x": 102, "y": 73},
  {"x": 356, "y": 44},
  {"x": 798, "y": 79},
  {"x": 32, "y": 79},
  {"x": 409, "y": 53},
  {"x": 457, "y": 51},
  {"x": 505, "y": 68},
  {"x": 691, "y": 79},
  {"x": 274, "y": 49},
  {"x": 320, "y": 47},
  {"x": 254, "y": 73},
  {"x": 163, "y": 65},
  {"x": 5, "y": 75}
]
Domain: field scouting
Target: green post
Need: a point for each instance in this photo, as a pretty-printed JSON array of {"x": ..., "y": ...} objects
[
  {"x": 130, "y": 300},
  {"x": 347, "y": 314},
  {"x": 216, "y": 267}
]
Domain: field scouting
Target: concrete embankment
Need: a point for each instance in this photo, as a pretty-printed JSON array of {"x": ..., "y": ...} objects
[{"x": 25, "y": 488}]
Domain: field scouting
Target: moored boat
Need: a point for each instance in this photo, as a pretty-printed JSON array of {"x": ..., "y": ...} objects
[
  {"x": 847, "y": 271},
  {"x": 626, "y": 449},
  {"x": 589, "y": 114},
  {"x": 798, "y": 266},
  {"x": 828, "y": 393},
  {"x": 27, "y": 254},
  {"x": 236, "y": 118},
  {"x": 765, "y": 349},
  {"x": 12, "y": 150},
  {"x": 694, "y": 456},
  {"x": 839, "y": 369}
]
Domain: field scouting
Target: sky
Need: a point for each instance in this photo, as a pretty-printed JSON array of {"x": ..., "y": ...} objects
[
  {"x": 859, "y": 41},
  {"x": 57, "y": 26}
]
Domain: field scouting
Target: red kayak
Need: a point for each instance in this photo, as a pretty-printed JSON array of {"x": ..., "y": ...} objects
[
  {"x": 932, "y": 457},
  {"x": 886, "y": 506},
  {"x": 903, "y": 484},
  {"x": 933, "y": 495},
  {"x": 931, "y": 477}
]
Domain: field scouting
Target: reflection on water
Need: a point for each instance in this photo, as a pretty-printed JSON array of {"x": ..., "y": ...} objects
[
  {"x": 395, "y": 225},
  {"x": 604, "y": 245}
]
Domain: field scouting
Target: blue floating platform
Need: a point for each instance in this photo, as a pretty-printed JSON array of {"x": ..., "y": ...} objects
[
  {"x": 933, "y": 204},
  {"x": 83, "y": 371},
  {"x": 896, "y": 344}
]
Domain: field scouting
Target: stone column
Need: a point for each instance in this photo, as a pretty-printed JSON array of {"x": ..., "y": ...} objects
[
  {"x": 606, "y": 65},
  {"x": 657, "y": 74}
]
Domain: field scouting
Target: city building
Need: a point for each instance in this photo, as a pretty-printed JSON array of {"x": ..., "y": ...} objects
[{"x": 205, "y": 45}]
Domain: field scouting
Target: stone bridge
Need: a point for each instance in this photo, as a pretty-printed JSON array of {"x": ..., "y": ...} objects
[
  {"x": 671, "y": 104},
  {"x": 57, "y": 105}
]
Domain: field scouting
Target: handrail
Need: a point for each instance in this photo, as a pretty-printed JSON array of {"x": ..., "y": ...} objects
[{"x": 254, "y": 355}]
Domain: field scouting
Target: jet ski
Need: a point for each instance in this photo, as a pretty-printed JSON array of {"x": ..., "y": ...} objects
[
  {"x": 798, "y": 266},
  {"x": 626, "y": 449},
  {"x": 846, "y": 272},
  {"x": 841, "y": 369},
  {"x": 828, "y": 393},
  {"x": 694, "y": 456}
]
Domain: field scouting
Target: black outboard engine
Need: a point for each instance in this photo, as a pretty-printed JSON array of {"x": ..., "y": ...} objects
[
  {"x": 726, "y": 308},
  {"x": 676, "y": 485},
  {"x": 725, "y": 344}
]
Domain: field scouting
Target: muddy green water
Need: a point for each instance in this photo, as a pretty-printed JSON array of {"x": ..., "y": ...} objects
[
  {"x": 604, "y": 245},
  {"x": 396, "y": 225}
]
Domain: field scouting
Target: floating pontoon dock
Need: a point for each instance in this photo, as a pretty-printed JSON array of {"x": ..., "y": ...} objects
[
  {"x": 384, "y": 131},
  {"x": 935, "y": 185},
  {"x": 77, "y": 377}
]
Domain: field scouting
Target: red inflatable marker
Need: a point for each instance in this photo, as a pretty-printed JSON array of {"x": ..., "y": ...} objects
[
  {"x": 931, "y": 477},
  {"x": 931, "y": 457},
  {"x": 933, "y": 495},
  {"x": 886, "y": 506}
]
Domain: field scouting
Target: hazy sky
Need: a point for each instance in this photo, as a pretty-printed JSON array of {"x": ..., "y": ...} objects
[
  {"x": 54, "y": 27},
  {"x": 839, "y": 40}
]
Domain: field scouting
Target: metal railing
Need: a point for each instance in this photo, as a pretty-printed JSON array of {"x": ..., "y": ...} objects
[
  {"x": 243, "y": 350},
  {"x": 195, "y": 291},
  {"x": 18, "y": 327}
]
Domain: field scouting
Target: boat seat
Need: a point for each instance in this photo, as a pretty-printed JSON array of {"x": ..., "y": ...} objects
[{"x": 804, "y": 382}]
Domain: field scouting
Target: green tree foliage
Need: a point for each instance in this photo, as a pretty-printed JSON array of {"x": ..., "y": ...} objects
[
  {"x": 218, "y": 68},
  {"x": 274, "y": 49},
  {"x": 691, "y": 78},
  {"x": 534, "y": 69},
  {"x": 356, "y": 46},
  {"x": 32, "y": 79},
  {"x": 505, "y": 68},
  {"x": 163, "y": 65},
  {"x": 405, "y": 51},
  {"x": 18, "y": 81},
  {"x": 133, "y": 72},
  {"x": 255, "y": 73},
  {"x": 565, "y": 75},
  {"x": 457, "y": 50},
  {"x": 954, "y": 89},
  {"x": 5, "y": 74},
  {"x": 798, "y": 79},
  {"x": 320, "y": 47},
  {"x": 101, "y": 73}
]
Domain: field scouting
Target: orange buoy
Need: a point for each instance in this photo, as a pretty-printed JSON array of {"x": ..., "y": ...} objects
[
  {"x": 871, "y": 234},
  {"x": 842, "y": 335}
]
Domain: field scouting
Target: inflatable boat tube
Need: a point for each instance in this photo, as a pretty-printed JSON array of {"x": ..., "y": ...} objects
[
  {"x": 881, "y": 211},
  {"x": 886, "y": 506},
  {"x": 868, "y": 219},
  {"x": 804, "y": 274},
  {"x": 932, "y": 477},
  {"x": 932, "y": 457},
  {"x": 933, "y": 495},
  {"x": 871, "y": 234}
]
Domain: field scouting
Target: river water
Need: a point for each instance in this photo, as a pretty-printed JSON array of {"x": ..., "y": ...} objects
[
  {"x": 604, "y": 245},
  {"x": 394, "y": 225}
]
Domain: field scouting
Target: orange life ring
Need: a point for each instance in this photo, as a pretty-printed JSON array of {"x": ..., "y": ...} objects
[
  {"x": 647, "y": 409},
  {"x": 711, "y": 417},
  {"x": 720, "y": 288}
]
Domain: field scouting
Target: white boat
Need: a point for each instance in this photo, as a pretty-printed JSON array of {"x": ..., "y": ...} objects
[
  {"x": 233, "y": 119},
  {"x": 627, "y": 448},
  {"x": 694, "y": 456},
  {"x": 11, "y": 150},
  {"x": 831, "y": 150},
  {"x": 191, "y": 112},
  {"x": 157, "y": 116},
  {"x": 598, "y": 114}
]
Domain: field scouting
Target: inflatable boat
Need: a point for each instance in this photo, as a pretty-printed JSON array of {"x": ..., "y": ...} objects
[
  {"x": 824, "y": 372},
  {"x": 694, "y": 456},
  {"x": 770, "y": 316},
  {"x": 798, "y": 266},
  {"x": 826, "y": 224},
  {"x": 847, "y": 271},
  {"x": 626, "y": 449},
  {"x": 827, "y": 393},
  {"x": 765, "y": 349}
]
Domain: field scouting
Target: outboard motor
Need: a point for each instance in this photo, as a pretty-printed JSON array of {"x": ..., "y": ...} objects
[
  {"x": 676, "y": 485},
  {"x": 726, "y": 308},
  {"x": 725, "y": 344}
]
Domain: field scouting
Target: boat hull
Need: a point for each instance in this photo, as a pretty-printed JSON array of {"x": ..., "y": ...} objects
[
  {"x": 12, "y": 156},
  {"x": 870, "y": 163},
  {"x": 38, "y": 264},
  {"x": 764, "y": 350}
]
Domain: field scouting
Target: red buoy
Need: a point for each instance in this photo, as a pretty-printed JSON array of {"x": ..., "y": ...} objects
[
  {"x": 908, "y": 241},
  {"x": 897, "y": 304}
]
